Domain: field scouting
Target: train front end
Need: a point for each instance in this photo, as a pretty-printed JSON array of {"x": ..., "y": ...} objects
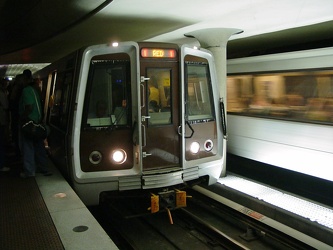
[{"x": 147, "y": 117}]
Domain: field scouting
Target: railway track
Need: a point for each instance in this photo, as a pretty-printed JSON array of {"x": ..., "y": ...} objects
[{"x": 203, "y": 224}]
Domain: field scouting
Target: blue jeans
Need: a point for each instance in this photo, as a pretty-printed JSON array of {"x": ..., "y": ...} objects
[{"x": 33, "y": 152}]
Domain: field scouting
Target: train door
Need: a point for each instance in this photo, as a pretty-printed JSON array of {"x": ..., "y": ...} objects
[{"x": 160, "y": 113}]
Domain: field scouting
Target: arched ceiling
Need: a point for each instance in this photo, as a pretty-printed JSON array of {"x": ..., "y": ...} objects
[{"x": 40, "y": 31}]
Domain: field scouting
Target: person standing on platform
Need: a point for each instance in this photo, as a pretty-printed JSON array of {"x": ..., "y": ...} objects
[
  {"x": 3, "y": 123},
  {"x": 33, "y": 150},
  {"x": 14, "y": 99}
]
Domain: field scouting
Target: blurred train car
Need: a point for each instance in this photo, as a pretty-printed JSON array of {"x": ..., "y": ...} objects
[
  {"x": 280, "y": 110},
  {"x": 134, "y": 116}
]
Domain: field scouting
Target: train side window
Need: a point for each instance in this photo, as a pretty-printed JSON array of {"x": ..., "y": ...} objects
[
  {"x": 199, "y": 104},
  {"x": 59, "y": 110},
  {"x": 299, "y": 96},
  {"x": 108, "y": 91}
]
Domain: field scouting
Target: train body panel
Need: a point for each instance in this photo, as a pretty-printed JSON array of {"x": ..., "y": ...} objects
[
  {"x": 280, "y": 110},
  {"x": 134, "y": 116},
  {"x": 58, "y": 84},
  {"x": 210, "y": 130},
  {"x": 304, "y": 148},
  {"x": 95, "y": 86},
  {"x": 308, "y": 59}
]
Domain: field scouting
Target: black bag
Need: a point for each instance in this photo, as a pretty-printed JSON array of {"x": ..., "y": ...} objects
[{"x": 34, "y": 130}]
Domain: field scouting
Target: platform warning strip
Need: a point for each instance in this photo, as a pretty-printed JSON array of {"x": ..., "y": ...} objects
[{"x": 307, "y": 209}]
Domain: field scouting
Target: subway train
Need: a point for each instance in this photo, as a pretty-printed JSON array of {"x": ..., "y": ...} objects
[
  {"x": 280, "y": 110},
  {"x": 134, "y": 116}
]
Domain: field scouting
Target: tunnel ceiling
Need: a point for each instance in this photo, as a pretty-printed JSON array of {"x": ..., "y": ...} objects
[{"x": 42, "y": 31}]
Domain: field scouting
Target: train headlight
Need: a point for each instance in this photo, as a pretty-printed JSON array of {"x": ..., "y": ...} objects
[
  {"x": 119, "y": 156},
  {"x": 95, "y": 157},
  {"x": 195, "y": 147},
  {"x": 208, "y": 145}
]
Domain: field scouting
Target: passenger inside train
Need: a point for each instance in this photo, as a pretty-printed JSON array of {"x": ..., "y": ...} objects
[
  {"x": 154, "y": 95},
  {"x": 159, "y": 96}
]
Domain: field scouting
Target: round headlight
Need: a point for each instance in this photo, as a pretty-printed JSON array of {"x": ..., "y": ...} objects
[
  {"x": 195, "y": 147},
  {"x": 95, "y": 157},
  {"x": 119, "y": 156}
]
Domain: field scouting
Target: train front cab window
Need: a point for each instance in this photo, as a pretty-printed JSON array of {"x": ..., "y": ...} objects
[
  {"x": 199, "y": 105},
  {"x": 108, "y": 93},
  {"x": 299, "y": 96},
  {"x": 106, "y": 132}
]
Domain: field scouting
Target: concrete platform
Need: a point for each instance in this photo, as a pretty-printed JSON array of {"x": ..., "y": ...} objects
[{"x": 45, "y": 213}]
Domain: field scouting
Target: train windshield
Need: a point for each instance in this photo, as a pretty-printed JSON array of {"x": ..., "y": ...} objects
[
  {"x": 198, "y": 92},
  {"x": 108, "y": 92}
]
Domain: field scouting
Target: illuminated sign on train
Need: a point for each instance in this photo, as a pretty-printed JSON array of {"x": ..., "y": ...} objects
[{"x": 158, "y": 53}]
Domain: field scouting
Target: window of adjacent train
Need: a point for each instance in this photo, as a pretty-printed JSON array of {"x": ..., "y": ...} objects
[
  {"x": 301, "y": 96},
  {"x": 159, "y": 96},
  {"x": 108, "y": 91},
  {"x": 60, "y": 99},
  {"x": 199, "y": 104}
]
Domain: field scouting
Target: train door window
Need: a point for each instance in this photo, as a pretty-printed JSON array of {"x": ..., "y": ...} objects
[
  {"x": 108, "y": 91},
  {"x": 61, "y": 90},
  {"x": 199, "y": 103},
  {"x": 159, "y": 96}
]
